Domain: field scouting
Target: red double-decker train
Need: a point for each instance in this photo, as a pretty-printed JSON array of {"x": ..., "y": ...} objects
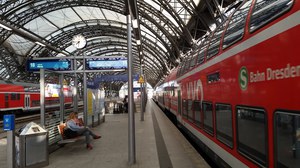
[
  {"x": 237, "y": 93},
  {"x": 20, "y": 97}
]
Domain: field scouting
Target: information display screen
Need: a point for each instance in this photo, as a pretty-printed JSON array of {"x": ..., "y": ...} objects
[
  {"x": 106, "y": 63},
  {"x": 53, "y": 64}
]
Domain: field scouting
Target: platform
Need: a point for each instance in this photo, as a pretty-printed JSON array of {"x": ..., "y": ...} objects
[{"x": 158, "y": 144}]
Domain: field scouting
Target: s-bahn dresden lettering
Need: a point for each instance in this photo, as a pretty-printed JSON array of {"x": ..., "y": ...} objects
[{"x": 269, "y": 74}]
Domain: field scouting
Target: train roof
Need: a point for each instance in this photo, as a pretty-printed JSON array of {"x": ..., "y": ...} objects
[{"x": 20, "y": 83}]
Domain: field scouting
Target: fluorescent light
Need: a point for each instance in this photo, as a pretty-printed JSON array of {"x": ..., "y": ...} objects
[
  {"x": 135, "y": 23},
  {"x": 5, "y": 27},
  {"x": 141, "y": 52},
  {"x": 138, "y": 42},
  {"x": 41, "y": 44}
]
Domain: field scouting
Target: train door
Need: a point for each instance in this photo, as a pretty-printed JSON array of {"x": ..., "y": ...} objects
[
  {"x": 27, "y": 101},
  {"x": 6, "y": 100}
]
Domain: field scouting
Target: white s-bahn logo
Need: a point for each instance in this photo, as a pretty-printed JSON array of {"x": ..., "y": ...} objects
[{"x": 243, "y": 78}]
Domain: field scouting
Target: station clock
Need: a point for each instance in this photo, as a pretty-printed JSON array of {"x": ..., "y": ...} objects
[{"x": 79, "y": 41}]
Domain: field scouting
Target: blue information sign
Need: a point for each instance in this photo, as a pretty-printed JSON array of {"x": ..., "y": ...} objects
[
  {"x": 53, "y": 64},
  {"x": 106, "y": 63},
  {"x": 9, "y": 122}
]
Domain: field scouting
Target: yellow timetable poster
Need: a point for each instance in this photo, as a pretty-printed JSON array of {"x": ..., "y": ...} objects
[{"x": 90, "y": 102}]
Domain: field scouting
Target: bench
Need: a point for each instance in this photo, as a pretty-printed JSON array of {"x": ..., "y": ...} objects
[{"x": 65, "y": 140}]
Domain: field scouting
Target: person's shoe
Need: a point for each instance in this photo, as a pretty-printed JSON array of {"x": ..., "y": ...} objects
[
  {"x": 89, "y": 147},
  {"x": 97, "y": 137}
]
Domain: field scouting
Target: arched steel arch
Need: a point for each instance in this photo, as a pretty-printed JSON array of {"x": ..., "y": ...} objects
[{"x": 17, "y": 13}]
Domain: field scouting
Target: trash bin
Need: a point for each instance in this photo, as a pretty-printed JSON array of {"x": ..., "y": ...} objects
[{"x": 32, "y": 146}]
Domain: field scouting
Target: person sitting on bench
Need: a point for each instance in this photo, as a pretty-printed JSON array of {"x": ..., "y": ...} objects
[{"x": 74, "y": 128}]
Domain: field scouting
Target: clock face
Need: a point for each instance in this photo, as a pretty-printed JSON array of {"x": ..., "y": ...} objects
[{"x": 79, "y": 41}]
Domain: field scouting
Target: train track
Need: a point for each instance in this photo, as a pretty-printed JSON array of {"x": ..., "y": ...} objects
[{"x": 21, "y": 121}]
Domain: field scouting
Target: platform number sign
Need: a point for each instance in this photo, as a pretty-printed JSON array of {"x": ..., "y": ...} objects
[{"x": 32, "y": 64}]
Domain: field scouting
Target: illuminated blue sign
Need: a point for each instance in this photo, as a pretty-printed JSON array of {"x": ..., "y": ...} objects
[
  {"x": 55, "y": 64},
  {"x": 106, "y": 63},
  {"x": 8, "y": 122}
]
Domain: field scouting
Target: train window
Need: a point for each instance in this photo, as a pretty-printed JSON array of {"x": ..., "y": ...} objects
[
  {"x": 251, "y": 122},
  {"x": 184, "y": 108},
  {"x": 267, "y": 10},
  {"x": 193, "y": 60},
  {"x": 181, "y": 68},
  {"x": 214, "y": 45},
  {"x": 235, "y": 30},
  {"x": 208, "y": 117},
  {"x": 197, "y": 111},
  {"x": 13, "y": 96},
  {"x": 213, "y": 78},
  {"x": 224, "y": 124},
  {"x": 190, "y": 110},
  {"x": 201, "y": 54},
  {"x": 187, "y": 65},
  {"x": 184, "y": 68},
  {"x": 6, "y": 95},
  {"x": 287, "y": 139}
]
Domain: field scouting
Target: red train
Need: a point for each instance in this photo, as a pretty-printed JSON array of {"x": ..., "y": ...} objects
[
  {"x": 19, "y": 97},
  {"x": 237, "y": 93}
]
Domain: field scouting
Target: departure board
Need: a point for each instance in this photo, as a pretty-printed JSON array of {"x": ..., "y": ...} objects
[
  {"x": 51, "y": 64},
  {"x": 106, "y": 63}
]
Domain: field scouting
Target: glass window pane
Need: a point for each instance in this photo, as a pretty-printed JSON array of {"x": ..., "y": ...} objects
[
  {"x": 224, "y": 124},
  {"x": 235, "y": 30},
  {"x": 214, "y": 44},
  {"x": 201, "y": 54},
  {"x": 208, "y": 118},
  {"x": 184, "y": 108},
  {"x": 190, "y": 111},
  {"x": 197, "y": 110},
  {"x": 287, "y": 143},
  {"x": 267, "y": 10},
  {"x": 251, "y": 131}
]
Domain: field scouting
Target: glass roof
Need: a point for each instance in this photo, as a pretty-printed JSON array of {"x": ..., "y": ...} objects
[{"x": 103, "y": 23}]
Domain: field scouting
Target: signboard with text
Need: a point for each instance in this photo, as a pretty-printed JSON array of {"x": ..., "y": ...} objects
[
  {"x": 51, "y": 64},
  {"x": 107, "y": 63}
]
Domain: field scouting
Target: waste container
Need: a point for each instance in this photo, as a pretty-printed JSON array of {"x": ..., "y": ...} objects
[{"x": 32, "y": 146}]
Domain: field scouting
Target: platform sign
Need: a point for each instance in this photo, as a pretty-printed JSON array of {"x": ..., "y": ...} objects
[
  {"x": 107, "y": 63},
  {"x": 8, "y": 122},
  {"x": 51, "y": 64}
]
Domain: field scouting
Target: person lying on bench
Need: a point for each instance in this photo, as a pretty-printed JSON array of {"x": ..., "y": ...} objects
[{"x": 74, "y": 129}]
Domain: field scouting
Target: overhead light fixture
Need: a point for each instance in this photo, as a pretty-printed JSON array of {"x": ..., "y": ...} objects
[
  {"x": 135, "y": 23},
  {"x": 138, "y": 42},
  {"x": 141, "y": 52},
  {"x": 5, "y": 27},
  {"x": 39, "y": 43}
]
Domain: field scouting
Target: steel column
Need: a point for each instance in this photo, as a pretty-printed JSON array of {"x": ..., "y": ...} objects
[{"x": 131, "y": 124}]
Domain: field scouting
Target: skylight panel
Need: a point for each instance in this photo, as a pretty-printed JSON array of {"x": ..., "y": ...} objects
[
  {"x": 19, "y": 44},
  {"x": 88, "y": 13},
  {"x": 63, "y": 17},
  {"x": 40, "y": 26}
]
